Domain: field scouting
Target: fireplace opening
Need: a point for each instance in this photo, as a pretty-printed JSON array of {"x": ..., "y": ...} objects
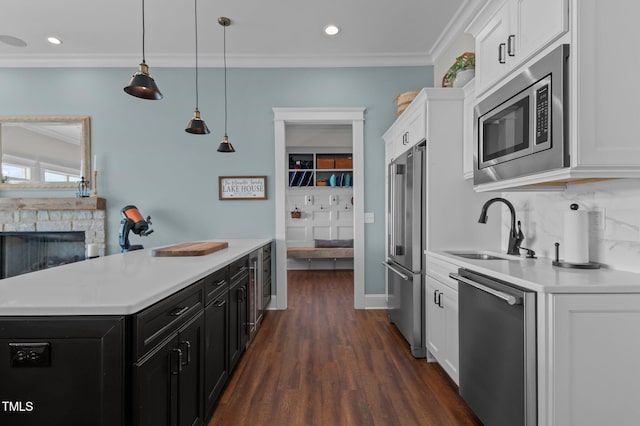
[{"x": 22, "y": 252}]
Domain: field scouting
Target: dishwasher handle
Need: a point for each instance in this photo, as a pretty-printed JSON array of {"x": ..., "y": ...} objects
[
  {"x": 402, "y": 275},
  {"x": 510, "y": 299}
]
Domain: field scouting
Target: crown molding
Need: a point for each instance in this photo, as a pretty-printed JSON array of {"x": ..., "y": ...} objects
[
  {"x": 456, "y": 26},
  {"x": 216, "y": 61}
]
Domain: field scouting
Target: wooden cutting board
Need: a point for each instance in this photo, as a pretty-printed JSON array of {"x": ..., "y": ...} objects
[{"x": 190, "y": 249}]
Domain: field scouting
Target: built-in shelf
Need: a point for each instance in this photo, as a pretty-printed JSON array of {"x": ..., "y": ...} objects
[
  {"x": 315, "y": 169},
  {"x": 53, "y": 203}
]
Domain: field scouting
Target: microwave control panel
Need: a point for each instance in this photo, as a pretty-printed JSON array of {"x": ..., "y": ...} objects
[{"x": 542, "y": 114}]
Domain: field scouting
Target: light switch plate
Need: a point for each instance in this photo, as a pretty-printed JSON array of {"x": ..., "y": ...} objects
[{"x": 369, "y": 217}]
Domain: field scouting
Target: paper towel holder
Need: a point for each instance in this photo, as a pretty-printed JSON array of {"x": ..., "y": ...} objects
[{"x": 563, "y": 264}]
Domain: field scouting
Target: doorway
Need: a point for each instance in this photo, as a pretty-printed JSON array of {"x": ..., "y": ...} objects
[{"x": 286, "y": 117}]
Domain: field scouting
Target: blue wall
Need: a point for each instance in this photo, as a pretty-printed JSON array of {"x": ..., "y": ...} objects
[{"x": 145, "y": 158}]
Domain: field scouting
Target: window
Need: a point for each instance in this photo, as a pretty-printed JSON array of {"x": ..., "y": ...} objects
[
  {"x": 56, "y": 176},
  {"x": 15, "y": 173}
]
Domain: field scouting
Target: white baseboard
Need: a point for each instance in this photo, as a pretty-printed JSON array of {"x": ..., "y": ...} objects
[{"x": 375, "y": 301}]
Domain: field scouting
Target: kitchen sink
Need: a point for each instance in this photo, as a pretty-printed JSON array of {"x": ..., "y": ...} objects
[{"x": 479, "y": 255}]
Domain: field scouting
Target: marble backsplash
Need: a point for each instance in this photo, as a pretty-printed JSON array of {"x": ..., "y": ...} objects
[{"x": 616, "y": 244}]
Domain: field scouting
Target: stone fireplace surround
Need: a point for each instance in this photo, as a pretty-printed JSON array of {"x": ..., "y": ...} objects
[{"x": 56, "y": 214}]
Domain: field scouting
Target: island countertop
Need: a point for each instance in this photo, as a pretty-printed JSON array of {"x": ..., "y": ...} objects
[{"x": 120, "y": 284}]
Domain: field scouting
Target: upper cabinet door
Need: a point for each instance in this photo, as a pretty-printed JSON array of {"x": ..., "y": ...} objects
[
  {"x": 539, "y": 22},
  {"x": 492, "y": 61},
  {"x": 408, "y": 129},
  {"x": 517, "y": 30}
]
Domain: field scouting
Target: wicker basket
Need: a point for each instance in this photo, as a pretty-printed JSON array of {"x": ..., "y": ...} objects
[
  {"x": 344, "y": 163},
  {"x": 325, "y": 163},
  {"x": 404, "y": 99}
]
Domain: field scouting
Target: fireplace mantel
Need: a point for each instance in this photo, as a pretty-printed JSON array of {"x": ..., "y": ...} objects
[
  {"x": 56, "y": 214},
  {"x": 53, "y": 203}
]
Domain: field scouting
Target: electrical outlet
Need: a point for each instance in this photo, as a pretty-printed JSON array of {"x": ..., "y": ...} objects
[{"x": 30, "y": 354}]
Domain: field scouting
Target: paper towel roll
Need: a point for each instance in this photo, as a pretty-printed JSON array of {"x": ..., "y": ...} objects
[{"x": 576, "y": 236}]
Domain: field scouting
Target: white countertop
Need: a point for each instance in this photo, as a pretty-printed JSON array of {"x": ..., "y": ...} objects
[
  {"x": 119, "y": 284},
  {"x": 541, "y": 276}
]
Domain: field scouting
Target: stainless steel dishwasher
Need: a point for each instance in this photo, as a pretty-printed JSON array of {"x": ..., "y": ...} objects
[{"x": 497, "y": 323}]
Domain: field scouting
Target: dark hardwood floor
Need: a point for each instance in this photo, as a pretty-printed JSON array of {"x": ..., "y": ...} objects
[{"x": 321, "y": 362}]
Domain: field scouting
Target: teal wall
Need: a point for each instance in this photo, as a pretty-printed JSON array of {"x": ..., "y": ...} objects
[{"x": 145, "y": 158}]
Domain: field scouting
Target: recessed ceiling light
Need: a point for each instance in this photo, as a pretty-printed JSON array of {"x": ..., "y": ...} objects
[
  {"x": 12, "y": 41},
  {"x": 331, "y": 30},
  {"x": 54, "y": 40}
]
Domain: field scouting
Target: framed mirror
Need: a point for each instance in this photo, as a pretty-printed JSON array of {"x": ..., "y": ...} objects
[{"x": 44, "y": 151}]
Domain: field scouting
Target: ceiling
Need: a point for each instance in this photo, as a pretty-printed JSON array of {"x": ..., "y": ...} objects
[{"x": 275, "y": 33}]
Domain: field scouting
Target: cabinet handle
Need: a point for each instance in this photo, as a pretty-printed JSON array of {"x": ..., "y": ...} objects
[
  {"x": 178, "y": 353},
  {"x": 435, "y": 296},
  {"x": 188, "y": 345},
  {"x": 179, "y": 311},
  {"x": 511, "y": 46},
  {"x": 501, "y": 48},
  {"x": 220, "y": 303},
  {"x": 440, "y": 300},
  {"x": 221, "y": 282},
  {"x": 405, "y": 138}
]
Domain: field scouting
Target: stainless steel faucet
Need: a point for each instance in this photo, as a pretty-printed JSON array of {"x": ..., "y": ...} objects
[{"x": 515, "y": 237}]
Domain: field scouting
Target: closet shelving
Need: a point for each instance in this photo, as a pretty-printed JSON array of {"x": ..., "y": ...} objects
[{"x": 312, "y": 169}]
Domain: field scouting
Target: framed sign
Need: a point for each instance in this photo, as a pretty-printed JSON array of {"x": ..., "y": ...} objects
[{"x": 242, "y": 187}]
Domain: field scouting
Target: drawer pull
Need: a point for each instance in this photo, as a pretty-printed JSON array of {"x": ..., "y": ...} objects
[
  {"x": 511, "y": 51},
  {"x": 177, "y": 355},
  {"x": 179, "y": 311},
  {"x": 220, "y": 303},
  {"x": 221, "y": 282},
  {"x": 501, "y": 53}
]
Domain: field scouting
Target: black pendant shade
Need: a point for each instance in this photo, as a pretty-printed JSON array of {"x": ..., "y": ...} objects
[
  {"x": 197, "y": 126},
  {"x": 142, "y": 85},
  {"x": 225, "y": 145}
]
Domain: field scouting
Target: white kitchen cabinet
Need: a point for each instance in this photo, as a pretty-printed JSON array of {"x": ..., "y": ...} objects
[
  {"x": 441, "y": 305},
  {"x": 538, "y": 23},
  {"x": 592, "y": 351},
  {"x": 409, "y": 128},
  {"x": 602, "y": 104},
  {"x": 491, "y": 49},
  {"x": 435, "y": 115},
  {"x": 514, "y": 31}
]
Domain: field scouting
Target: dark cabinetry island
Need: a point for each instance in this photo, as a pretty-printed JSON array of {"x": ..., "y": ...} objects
[{"x": 164, "y": 364}]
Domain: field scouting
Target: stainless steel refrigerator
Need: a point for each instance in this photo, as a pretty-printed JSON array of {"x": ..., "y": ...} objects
[{"x": 405, "y": 283}]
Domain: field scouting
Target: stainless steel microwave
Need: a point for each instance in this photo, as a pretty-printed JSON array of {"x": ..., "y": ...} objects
[{"x": 522, "y": 128}]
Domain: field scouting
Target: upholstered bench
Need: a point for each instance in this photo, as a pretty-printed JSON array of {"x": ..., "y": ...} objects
[{"x": 324, "y": 249}]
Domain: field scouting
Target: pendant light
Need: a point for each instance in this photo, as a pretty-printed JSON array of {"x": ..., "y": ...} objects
[
  {"x": 197, "y": 126},
  {"x": 142, "y": 84},
  {"x": 225, "y": 145}
]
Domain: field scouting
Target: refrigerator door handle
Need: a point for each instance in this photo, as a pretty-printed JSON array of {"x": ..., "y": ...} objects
[
  {"x": 402, "y": 275},
  {"x": 392, "y": 209}
]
